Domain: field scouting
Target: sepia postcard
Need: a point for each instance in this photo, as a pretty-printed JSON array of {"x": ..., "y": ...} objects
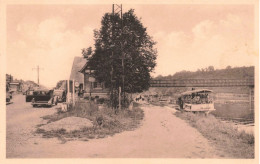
[{"x": 129, "y": 81}]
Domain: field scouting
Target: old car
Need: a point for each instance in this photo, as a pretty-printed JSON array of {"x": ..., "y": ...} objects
[
  {"x": 29, "y": 96},
  {"x": 60, "y": 95},
  {"x": 8, "y": 96},
  {"x": 8, "y": 93},
  {"x": 200, "y": 100},
  {"x": 43, "y": 98}
]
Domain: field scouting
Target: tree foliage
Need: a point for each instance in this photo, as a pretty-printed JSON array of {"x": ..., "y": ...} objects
[
  {"x": 60, "y": 84},
  {"x": 211, "y": 73},
  {"x": 87, "y": 52},
  {"x": 128, "y": 38}
]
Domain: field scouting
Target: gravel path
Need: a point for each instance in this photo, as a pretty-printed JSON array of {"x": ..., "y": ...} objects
[{"x": 161, "y": 135}]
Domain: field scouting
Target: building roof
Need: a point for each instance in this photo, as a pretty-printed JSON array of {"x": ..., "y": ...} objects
[
  {"x": 77, "y": 65},
  {"x": 83, "y": 68}
]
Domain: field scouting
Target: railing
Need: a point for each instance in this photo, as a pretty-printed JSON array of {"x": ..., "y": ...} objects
[{"x": 202, "y": 83}]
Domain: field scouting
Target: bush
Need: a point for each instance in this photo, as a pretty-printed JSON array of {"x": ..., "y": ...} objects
[
  {"x": 103, "y": 101},
  {"x": 100, "y": 100},
  {"x": 83, "y": 108},
  {"x": 106, "y": 121}
]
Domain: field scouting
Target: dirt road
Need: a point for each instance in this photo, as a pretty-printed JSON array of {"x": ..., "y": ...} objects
[{"x": 161, "y": 135}]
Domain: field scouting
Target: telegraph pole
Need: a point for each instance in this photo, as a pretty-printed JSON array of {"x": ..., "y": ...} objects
[
  {"x": 38, "y": 74},
  {"x": 118, "y": 9}
]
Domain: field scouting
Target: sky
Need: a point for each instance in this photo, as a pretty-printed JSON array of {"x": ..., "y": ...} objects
[{"x": 189, "y": 37}]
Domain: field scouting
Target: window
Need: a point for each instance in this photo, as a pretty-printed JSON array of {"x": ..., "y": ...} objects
[{"x": 95, "y": 85}]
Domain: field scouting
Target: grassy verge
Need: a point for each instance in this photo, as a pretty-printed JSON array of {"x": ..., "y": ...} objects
[
  {"x": 106, "y": 122},
  {"x": 234, "y": 143}
]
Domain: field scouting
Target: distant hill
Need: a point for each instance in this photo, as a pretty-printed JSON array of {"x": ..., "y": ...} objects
[
  {"x": 31, "y": 84},
  {"x": 61, "y": 84},
  {"x": 211, "y": 73}
]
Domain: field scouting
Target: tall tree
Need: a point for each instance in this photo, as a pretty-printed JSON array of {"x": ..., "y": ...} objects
[
  {"x": 123, "y": 38},
  {"x": 60, "y": 84},
  {"x": 86, "y": 52}
]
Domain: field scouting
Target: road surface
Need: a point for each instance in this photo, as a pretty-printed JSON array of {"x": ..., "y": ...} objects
[{"x": 161, "y": 135}]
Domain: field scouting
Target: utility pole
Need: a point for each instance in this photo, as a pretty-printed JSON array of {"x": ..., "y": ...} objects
[
  {"x": 118, "y": 9},
  {"x": 38, "y": 74}
]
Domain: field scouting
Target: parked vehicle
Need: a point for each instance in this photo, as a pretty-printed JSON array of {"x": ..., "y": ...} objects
[
  {"x": 43, "y": 98},
  {"x": 60, "y": 95},
  {"x": 29, "y": 96},
  {"x": 8, "y": 96},
  {"x": 199, "y": 100}
]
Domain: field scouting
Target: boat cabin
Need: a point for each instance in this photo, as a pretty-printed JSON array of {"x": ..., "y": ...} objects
[{"x": 200, "y": 100}]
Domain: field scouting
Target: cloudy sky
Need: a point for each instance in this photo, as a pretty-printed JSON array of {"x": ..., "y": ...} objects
[{"x": 188, "y": 37}]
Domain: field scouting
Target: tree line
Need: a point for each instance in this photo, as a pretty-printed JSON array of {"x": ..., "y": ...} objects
[{"x": 211, "y": 73}]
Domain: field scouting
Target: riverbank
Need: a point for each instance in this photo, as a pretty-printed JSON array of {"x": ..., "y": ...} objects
[{"x": 236, "y": 143}]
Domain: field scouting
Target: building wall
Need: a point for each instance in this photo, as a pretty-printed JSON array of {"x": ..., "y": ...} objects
[
  {"x": 15, "y": 87},
  {"x": 96, "y": 89},
  {"x": 87, "y": 83}
]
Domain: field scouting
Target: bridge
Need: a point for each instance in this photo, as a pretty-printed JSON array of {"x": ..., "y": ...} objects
[
  {"x": 203, "y": 83},
  {"x": 209, "y": 83}
]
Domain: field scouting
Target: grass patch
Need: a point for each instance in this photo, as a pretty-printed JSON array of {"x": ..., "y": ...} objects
[
  {"x": 81, "y": 109},
  {"x": 106, "y": 121},
  {"x": 234, "y": 143}
]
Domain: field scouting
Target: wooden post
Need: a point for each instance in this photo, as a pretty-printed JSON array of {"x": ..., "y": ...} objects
[
  {"x": 73, "y": 92},
  {"x": 68, "y": 90},
  {"x": 90, "y": 88},
  {"x": 119, "y": 97}
]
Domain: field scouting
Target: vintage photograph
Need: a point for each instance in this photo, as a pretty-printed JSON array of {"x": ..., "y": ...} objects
[{"x": 131, "y": 81}]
